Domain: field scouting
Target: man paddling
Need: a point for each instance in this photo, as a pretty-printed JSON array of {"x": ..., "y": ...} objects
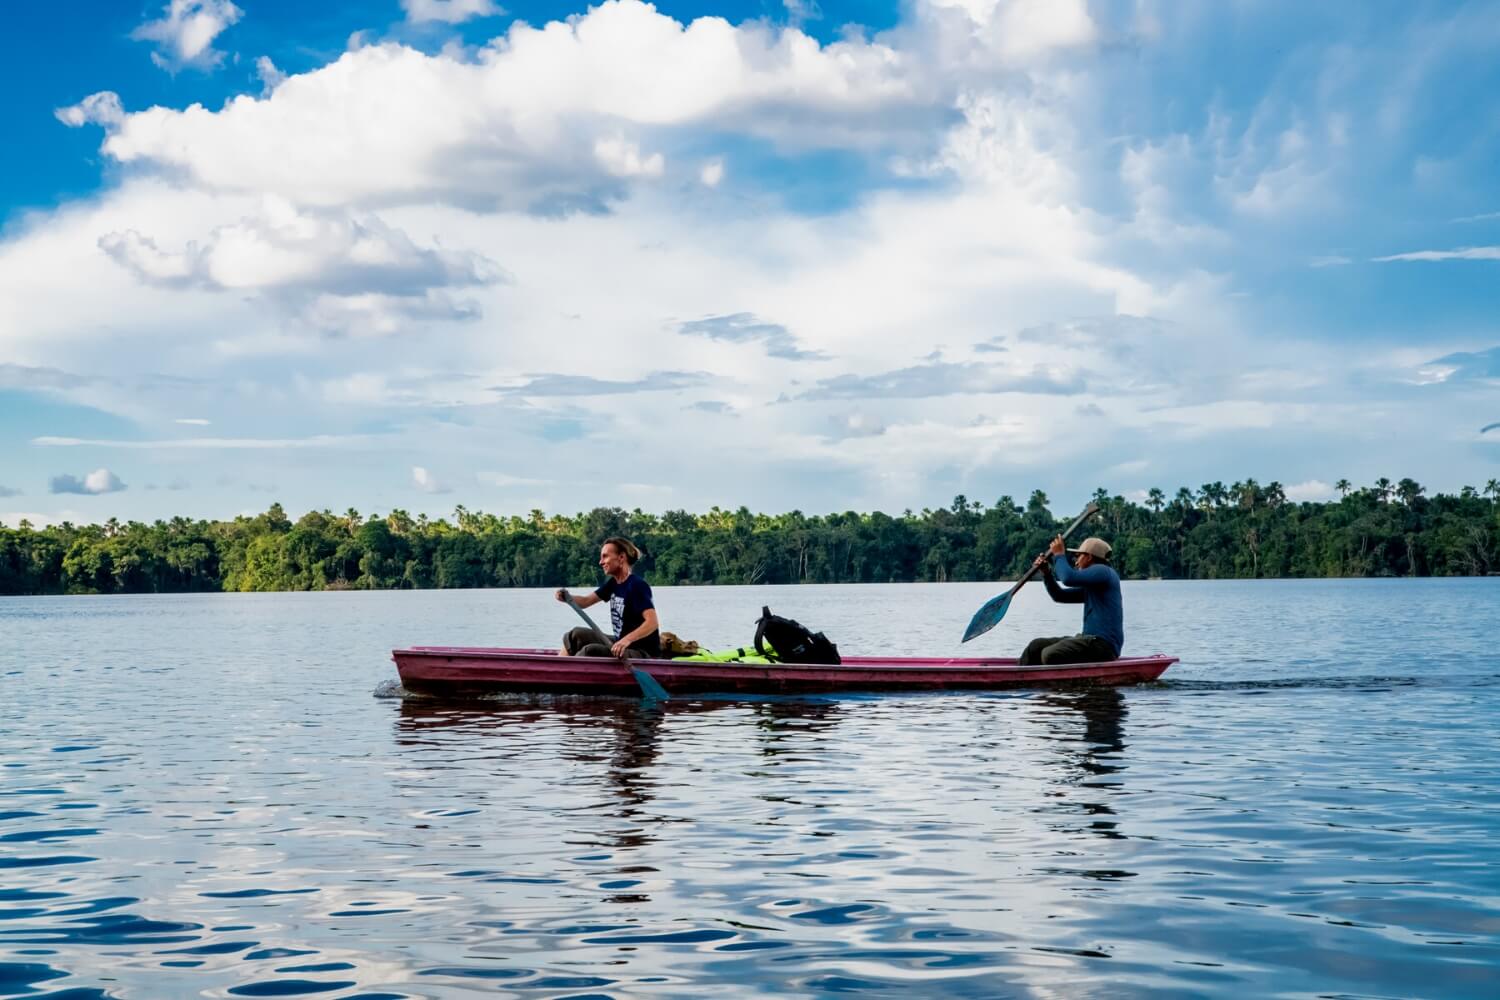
[
  {"x": 1093, "y": 583},
  {"x": 631, "y": 610}
]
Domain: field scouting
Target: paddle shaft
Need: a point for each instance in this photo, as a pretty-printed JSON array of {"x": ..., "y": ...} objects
[
  {"x": 587, "y": 620},
  {"x": 1088, "y": 512}
]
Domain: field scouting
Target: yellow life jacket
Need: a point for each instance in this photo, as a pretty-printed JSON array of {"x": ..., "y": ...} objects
[{"x": 739, "y": 654}]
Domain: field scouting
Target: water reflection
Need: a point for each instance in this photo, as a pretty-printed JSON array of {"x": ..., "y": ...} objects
[
  {"x": 792, "y": 725},
  {"x": 1092, "y": 755}
]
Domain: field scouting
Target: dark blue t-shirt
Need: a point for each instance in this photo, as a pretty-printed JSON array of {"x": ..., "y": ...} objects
[{"x": 628, "y": 604}]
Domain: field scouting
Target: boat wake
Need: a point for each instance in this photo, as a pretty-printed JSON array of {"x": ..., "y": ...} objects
[{"x": 1373, "y": 682}]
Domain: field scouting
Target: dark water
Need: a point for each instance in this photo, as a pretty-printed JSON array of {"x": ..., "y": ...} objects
[{"x": 223, "y": 796}]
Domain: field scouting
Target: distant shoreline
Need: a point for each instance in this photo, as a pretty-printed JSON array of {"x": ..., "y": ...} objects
[{"x": 1243, "y": 531}]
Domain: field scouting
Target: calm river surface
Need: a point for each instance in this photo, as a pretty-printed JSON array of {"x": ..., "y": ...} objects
[{"x": 226, "y": 796}]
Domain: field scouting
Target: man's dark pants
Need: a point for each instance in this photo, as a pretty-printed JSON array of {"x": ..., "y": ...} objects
[
  {"x": 1062, "y": 649},
  {"x": 583, "y": 641}
]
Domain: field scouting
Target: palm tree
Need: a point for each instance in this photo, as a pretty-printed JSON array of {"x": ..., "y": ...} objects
[
  {"x": 1493, "y": 489},
  {"x": 1249, "y": 493},
  {"x": 1409, "y": 490},
  {"x": 1156, "y": 499},
  {"x": 1343, "y": 486},
  {"x": 1383, "y": 488}
]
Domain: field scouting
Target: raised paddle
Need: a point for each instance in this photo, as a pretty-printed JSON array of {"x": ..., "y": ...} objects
[
  {"x": 650, "y": 687},
  {"x": 994, "y": 609}
]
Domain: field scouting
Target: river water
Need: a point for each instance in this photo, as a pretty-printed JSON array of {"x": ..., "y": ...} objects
[{"x": 227, "y": 795}]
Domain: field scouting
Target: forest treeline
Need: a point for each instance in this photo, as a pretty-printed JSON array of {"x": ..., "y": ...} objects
[{"x": 1244, "y": 530}]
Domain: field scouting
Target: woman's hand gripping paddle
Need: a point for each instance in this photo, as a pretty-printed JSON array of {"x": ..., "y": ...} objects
[
  {"x": 651, "y": 689},
  {"x": 994, "y": 609}
]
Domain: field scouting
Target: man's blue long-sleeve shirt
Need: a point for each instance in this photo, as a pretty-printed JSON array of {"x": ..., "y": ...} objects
[{"x": 1098, "y": 590}]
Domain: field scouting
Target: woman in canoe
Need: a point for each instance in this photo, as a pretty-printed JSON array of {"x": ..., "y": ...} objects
[
  {"x": 1092, "y": 583},
  {"x": 631, "y": 610}
]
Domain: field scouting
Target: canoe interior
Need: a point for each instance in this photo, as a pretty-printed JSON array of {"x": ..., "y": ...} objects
[{"x": 467, "y": 670}]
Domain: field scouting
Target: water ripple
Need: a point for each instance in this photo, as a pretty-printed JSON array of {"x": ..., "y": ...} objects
[{"x": 1299, "y": 819}]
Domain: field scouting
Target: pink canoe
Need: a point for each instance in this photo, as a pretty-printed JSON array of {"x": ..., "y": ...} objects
[{"x": 459, "y": 670}]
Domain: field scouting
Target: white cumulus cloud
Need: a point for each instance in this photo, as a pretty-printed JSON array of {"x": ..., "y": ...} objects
[{"x": 537, "y": 115}]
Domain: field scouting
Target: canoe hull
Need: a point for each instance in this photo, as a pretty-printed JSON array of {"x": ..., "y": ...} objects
[{"x": 467, "y": 671}]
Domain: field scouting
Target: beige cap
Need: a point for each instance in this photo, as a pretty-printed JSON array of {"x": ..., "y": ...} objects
[{"x": 1096, "y": 547}]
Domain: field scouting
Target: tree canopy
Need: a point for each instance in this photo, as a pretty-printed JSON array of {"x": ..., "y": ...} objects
[{"x": 1245, "y": 530}]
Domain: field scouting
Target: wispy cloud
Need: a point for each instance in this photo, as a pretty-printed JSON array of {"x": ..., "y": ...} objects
[
  {"x": 584, "y": 385},
  {"x": 449, "y": 11},
  {"x": 6, "y": 491},
  {"x": 744, "y": 327},
  {"x": 427, "y": 482},
  {"x": 206, "y": 443},
  {"x": 1464, "y": 253},
  {"x": 941, "y": 379},
  {"x": 270, "y": 76},
  {"x": 1462, "y": 366},
  {"x": 857, "y": 425},
  {"x": 103, "y": 108},
  {"x": 184, "y": 37},
  {"x": 14, "y": 376},
  {"x": 506, "y": 480},
  {"x": 96, "y": 482}
]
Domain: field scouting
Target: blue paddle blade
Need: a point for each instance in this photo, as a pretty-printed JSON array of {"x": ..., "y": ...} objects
[
  {"x": 650, "y": 689},
  {"x": 988, "y": 616}
]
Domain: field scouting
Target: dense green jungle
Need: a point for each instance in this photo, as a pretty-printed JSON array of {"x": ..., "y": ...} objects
[{"x": 1244, "y": 530}]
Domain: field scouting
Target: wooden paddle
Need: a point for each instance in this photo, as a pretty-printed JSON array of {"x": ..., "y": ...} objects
[
  {"x": 651, "y": 689},
  {"x": 994, "y": 609}
]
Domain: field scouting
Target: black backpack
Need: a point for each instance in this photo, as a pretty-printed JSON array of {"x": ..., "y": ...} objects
[{"x": 792, "y": 642}]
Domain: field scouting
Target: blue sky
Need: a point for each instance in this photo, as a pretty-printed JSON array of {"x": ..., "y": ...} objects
[{"x": 419, "y": 253}]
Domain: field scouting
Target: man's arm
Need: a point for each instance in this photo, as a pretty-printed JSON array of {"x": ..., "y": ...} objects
[
  {"x": 1059, "y": 594},
  {"x": 1095, "y": 576},
  {"x": 645, "y": 628}
]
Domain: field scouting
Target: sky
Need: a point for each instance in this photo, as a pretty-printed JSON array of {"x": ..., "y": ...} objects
[{"x": 419, "y": 254}]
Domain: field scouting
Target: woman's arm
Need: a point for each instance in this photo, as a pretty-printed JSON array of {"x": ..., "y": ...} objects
[
  {"x": 583, "y": 601},
  {"x": 645, "y": 628}
]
